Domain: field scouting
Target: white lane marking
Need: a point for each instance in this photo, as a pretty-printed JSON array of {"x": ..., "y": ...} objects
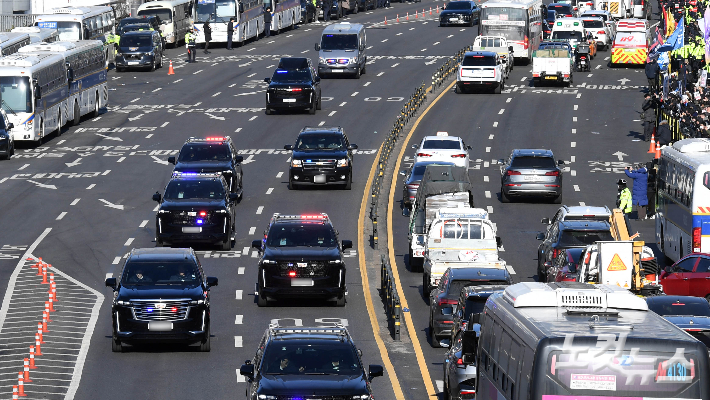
[
  {"x": 269, "y": 190},
  {"x": 590, "y": 75},
  {"x": 367, "y": 84},
  {"x": 343, "y": 103},
  {"x": 450, "y": 36},
  {"x": 395, "y": 64},
  {"x": 573, "y": 173},
  {"x": 259, "y": 210},
  {"x": 488, "y": 149},
  {"x": 573, "y": 144},
  {"x": 490, "y": 209},
  {"x": 422, "y": 50},
  {"x": 606, "y": 58},
  {"x": 411, "y": 29},
  {"x": 129, "y": 241},
  {"x": 574, "y": 130},
  {"x": 150, "y": 135},
  {"x": 598, "y": 66},
  {"x": 212, "y": 65},
  {"x": 134, "y": 100},
  {"x": 116, "y": 260},
  {"x": 61, "y": 141},
  {"x": 252, "y": 118},
  {"x": 61, "y": 216},
  {"x": 488, "y": 194},
  {"x": 252, "y": 230},
  {"x": 121, "y": 159},
  {"x": 234, "y": 84},
  {"x": 177, "y": 80},
  {"x": 3, "y": 180},
  {"x": 305, "y": 51},
  {"x": 385, "y": 40},
  {"x": 91, "y": 186},
  {"x": 576, "y": 107},
  {"x": 155, "y": 90},
  {"x": 574, "y": 119},
  {"x": 576, "y": 188},
  {"x": 331, "y": 113},
  {"x": 143, "y": 224},
  {"x": 510, "y": 269},
  {"x": 197, "y": 72},
  {"x": 252, "y": 49},
  {"x": 164, "y": 124},
  {"x": 381, "y": 73},
  {"x": 245, "y": 250},
  {"x": 280, "y": 174},
  {"x": 490, "y": 137},
  {"x": 23, "y": 167},
  {"x": 238, "y": 294},
  {"x": 523, "y": 79},
  {"x": 572, "y": 158},
  {"x": 237, "y": 341},
  {"x": 238, "y": 130},
  {"x": 368, "y": 47},
  {"x": 502, "y": 110},
  {"x": 579, "y": 95},
  {"x": 156, "y": 208},
  {"x": 321, "y": 123},
  {"x": 486, "y": 164},
  {"x": 495, "y": 124},
  {"x": 398, "y": 34},
  {"x": 440, "y": 386},
  {"x": 435, "y": 43},
  {"x": 249, "y": 76},
  {"x": 485, "y": 179},
  {"x": 254, "y": 254},
  {"x": 73, "y": 203},
  {"x": 216, "y": 94},
  {"x": 581, "y": 203},
  {"x": 238, "y": 319},
  {"x": 509, "y": 99},
  {"x": 240, "y": 271},
  {"x": 354, "y": 94}
]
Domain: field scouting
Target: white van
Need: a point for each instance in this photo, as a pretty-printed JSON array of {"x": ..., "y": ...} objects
[{"x": 570, "y": 29}]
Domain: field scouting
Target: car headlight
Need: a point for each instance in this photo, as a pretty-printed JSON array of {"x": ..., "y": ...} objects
[
  {"x": 123, "y": 303},
  {"x": 267, "y": 397},
  {"x": 269, "y": 262},
  {"x": 296, "y": 163},
  {"x": 197, "y": 302},
  {"x": 343, "y": 162},
  {"x": 28, "y": 125},
  {"x": 362, "y": 397}
]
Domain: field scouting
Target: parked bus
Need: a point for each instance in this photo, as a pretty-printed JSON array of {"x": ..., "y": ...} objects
[
  {"x": 38, "y": 35},
  {"x": 683, "y": 201},
  {"x": 570, "y": 340},
  {"x": 248, "y": 19},
  {"x": 284, "y": 13},
  {"x": 33, "y": 93},
  {"x": 519, "y": 22},
  {"x": 175, "y": 17},
  {"x": 86, "y": 69},
  {"x": 10, "y": 42}
]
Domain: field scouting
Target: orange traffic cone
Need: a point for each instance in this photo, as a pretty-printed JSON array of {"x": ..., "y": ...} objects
[
  {"x": 658, "y": 152},
  {"x": 407, "y": 15},
  {"x": 429, "y": 10},
  {"x": 416, "y": 14},
  {"x": 437, "y": 9},
  {"x": 397, "y": 17},
  {"x": 171, "y": 71},
  {"x": 385, "y": 20},
  {"x": 652, "y": 146}
]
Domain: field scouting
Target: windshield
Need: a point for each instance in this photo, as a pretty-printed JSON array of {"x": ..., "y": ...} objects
[
  {"x": 134, "y": 27},
  {"x": 160, "y": 273},
  {"x": 458, "y": 5},
  {"x": 593, "y": 23},
  {"x": 15, "y": 94},
  {"x": 136, "y": 41},
  {"x": 570, "y": 238},
  {"x": 685, "y": 307},
  {"x": 503, "y": 15},
  {"x": 309, "y": 357},
  {"x": 533, "y": 162},
  {"x": 320, "y": 142},
  {"x": 68, "y": 31},
  {"x": 204, "y": 152},
  {"x": 291, "y": 75},
  {"x": 419, "y": 168},
  {"x": 478, "y": 61},
  {"x": 163, "y": 14},
  {"x": 510, "y": 32},
  {"x": 441, "y": 144},
  {"x": 194, "y": 189},
  {"x": 339, "y": 42},
  {"x": 304, "y": 234},
  {"x": 221, "y": 10},
  {"x": 567, "y": 35}
]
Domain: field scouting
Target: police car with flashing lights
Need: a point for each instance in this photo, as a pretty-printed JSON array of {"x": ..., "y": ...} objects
[
  {"x": 301, "y": 257},
  {"x": 196, "y": 208},
  {"x": 212, "y": 155},
  {"x": 442, "y": 148}
]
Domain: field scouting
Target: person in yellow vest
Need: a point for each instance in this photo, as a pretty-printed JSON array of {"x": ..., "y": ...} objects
[
  {"x": 190, "y": 38},
  {"x": 624, "y": 201}
]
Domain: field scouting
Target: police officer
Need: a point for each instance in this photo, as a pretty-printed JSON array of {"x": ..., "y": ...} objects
[
  {"x": 208, "y": 34},
  {"x": 624, "y": 200},
  {"x": 230, "y": 32},
  {"x": 267, "y": 22},
  {"x": 190, "y": 44}
]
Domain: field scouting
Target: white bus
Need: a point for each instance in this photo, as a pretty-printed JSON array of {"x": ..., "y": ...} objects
[
  {"x": 39, "y": 35},
  {"x": 683, "y": 202},
  {"x": 33, "y": 93},
  {"x": 284, "y": 13},
  {"x": 248, "y": 19},
  {"x": 10, "y": 42},
  {"x": 520, "y": 22},
  {"x": 86, "y": 70},
  {"x": 175, "y": 17}
]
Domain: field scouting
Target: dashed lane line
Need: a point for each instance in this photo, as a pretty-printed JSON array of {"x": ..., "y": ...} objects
[
  {"x": 343, "y": 103},
  {"x": 259, "y": 210},
  {"x": 23, "y": 167},
  {"x": 576, "y": 188},
  {"x": 502, "y": 110},
  {"x": 134, "y": 100},
  {"x": 252, "y": 118},
  {"x": 573, "y": 144},
  {"x": 395, "y": 64},
  {"x": 240, "y": 271},
  {"x": 197, "y": 72},
  {"x": 237, "y": 130},
  {"x": 157, "y": 89},
  {"x": 508, "y": 99},
  {"x": 280, "y": 174},
  {"x": 485, "y": 178},
  {"x": 252, "y": 230},
  {"x": 216, "y": 94},
  {"x": 367, "y": 84},
  {"x": 354, "y": 94},
  {"x": 90, "y": 186},
  {"x": 488, "y": 194},
  {"x": 238, "y": 319},
  {"x": 148, "y": 136},
  {"x": 143, "y": 224},
  {"x": 381, "y": 73},
  {"x": 116, "y": 260},
  {"x": 332, "y": 113},
  {"x": 238, "y": 341},
  {"x": 385, "y": 40},
  {"x": 495, "y": 124},
  {"x": 269, "y": 190},
  {"x": 489, "y": 209},
  {"x": 164, "y": 124},
  {"x": 73, "y": 203},
  {"x": 321, "y": 123},
  {"x": 61, "y": 215},
  {"x": 238, "y": 294},
  {"x": 128, "y": 242},
  {"x": 435, "y": 43}
]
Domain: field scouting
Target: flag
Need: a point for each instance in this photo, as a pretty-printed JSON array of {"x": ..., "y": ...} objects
[
  {"x": 676, "y": 40},
  {"x": 663, "y": 61},
  {"x": 657, "y": 41}
]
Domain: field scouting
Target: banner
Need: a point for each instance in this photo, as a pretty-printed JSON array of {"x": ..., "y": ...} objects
[
  {"x": 677, "y": 39},
  {"x": 706, "y": 34}
]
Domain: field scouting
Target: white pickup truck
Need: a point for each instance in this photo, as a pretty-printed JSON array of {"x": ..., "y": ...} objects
[
  {"x": 481, "y": 69},
  {"x": 552, "y": 63},
  {"x": 459, "y": 238},
  {"x": 497, "y": 44}
]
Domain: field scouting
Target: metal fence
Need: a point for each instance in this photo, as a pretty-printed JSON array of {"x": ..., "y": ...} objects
[
  {"x": 393, "y": 307},
  {"x": 9, "y": 21}
]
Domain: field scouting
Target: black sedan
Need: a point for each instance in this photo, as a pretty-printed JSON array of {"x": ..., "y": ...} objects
[
  {"x": 460, "y": 13},
  {"x": 692, "y": 314},
  {"x": 412, "y": 178},
  {"x": 295, "y": 85}
]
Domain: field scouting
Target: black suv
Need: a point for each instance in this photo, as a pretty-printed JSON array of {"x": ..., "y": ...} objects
[
  {"x": 565, "y": 235},
  {"x": 139, "y": 49},
  {"x": 301, "y": 257},
  {"x": 321, "y": 156},
  {"x": 298, "y": 363},
  {"x": 212, "y": 154},
  {"x": 162, "y": 295},
  {"x": 196, "y": 208},
  {"x": 295, "y": 85},
  {"x": 471, "y": 302}
]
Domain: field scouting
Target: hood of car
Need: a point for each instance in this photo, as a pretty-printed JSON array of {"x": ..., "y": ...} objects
[
  {"x": 318, "y": 154},
  {"x": 309, "y": 385},
  {"x": 302, "y": 253},
  {"x": 159, "y": 292},
  {"x": 203, "y": 166}
]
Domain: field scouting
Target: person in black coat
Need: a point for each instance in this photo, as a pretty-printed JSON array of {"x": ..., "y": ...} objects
[
  {"x": 230, "y": 31},
  {"x": 652, "y": 69},
  {"x": 665, "y": 136},
  {"x": 208, "y": 34},
  {"x": 267, "y": 22},
  {"x": 648, "y": 116}
]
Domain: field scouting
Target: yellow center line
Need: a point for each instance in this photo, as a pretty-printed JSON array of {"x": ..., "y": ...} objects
[
  {"x": 391, "y": 373},
  {"x": 403, "y": 300}
]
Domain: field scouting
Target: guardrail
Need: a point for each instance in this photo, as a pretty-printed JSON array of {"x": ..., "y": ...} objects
[
  {"x": 449, "y": 67},
  {"x": 390, "y": 297}
]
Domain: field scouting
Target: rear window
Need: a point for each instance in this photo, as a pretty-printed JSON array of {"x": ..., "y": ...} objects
[
  {"x": 479, "y": 61},
  {"x": 587, "y": 217},
  {"x": 474, "y": 305},
  {"x": 441, "y": 144},
  {"x": 630, "y": 38},
  {"x": 561, "y": 9},
  {"x": 462, "y": 230},
  {"x": 533, "y": 162},
  {"x": 694, "y": 308},
  {"x": 491, "y": 42},
  {"x": 583, "y": 237},
  {"x": 567, "y": 35},
  {"x": 602, "y": 16},
  {"x": 593, "y": 23}
]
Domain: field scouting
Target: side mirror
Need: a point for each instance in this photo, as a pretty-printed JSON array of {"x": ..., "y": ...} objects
[
  {"x": 70, "y": 74},
  {"x": 38, "y": 92},
  {"x": 447, "y": 311},
  {"x": 156, "y": 197},
  {"x": 352, "y": 147},
  {"x": 212, "y": 281},
  {"x": 469, "y": 147},
  {"x": 288, "y": 147},
  {"x": 172, "y": 160},
  {"x": 403, "y": 172},
  {"x": 374, "y": 371},
  {"x": 560, "y": 162},
  {"x": 545, "y": 221},
  {"x": 499, "y": 241},
  {"x": 233, "y": 196},
  {"x": 246, "y": 369},
  {"x": 256, "y": 244},
  {"x": 317, "y": 79},
  {"x": 267, "y": 80},
  {"x": 540, "y": 236},
  {"x": 317, "y": 46},
  {"x": 415, "y": 146},
  {"x": 111, "y": 282},
  {"x": 10, "y": 125},
  {"x": 347, "y": 244},
  {"x": 238, "y": 159},
  {"x": 501, "y": 161}
]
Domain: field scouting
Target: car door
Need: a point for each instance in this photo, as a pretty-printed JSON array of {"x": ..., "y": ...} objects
[
  {"x": 699, "y": 279},
  {"x": 676, "y": 280},
  {"x": 550, "y": 239}
]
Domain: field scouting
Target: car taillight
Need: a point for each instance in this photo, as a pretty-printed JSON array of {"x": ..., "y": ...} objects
[
  {"x": 459, "y": 361},
  {"x": 526, "y": 43},
  {"x": 512, "y": 172},
  {"x": 448, "y": 301},
  {"x": 696, "y": 240},
  {"x": 601, "y": 32},
  {"x": 554, "y": 253},
  {"x": 292, "y": 273},
  {"x": 413, "y": 186},
  {"x": 467, "y": 391},
  {"x": 458, "y": 156},
  {"x": 423, "y": 155}
]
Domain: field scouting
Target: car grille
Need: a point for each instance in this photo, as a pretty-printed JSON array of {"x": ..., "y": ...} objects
[
  {"x": 319, "y": 164},
  {"x": 133, "y": 56},
  {"x": 303, "y": 269},
  {"x": 290, "y": 91},
  {"x": 160, "y": 310},
  {"x": 184, "y": 218}
]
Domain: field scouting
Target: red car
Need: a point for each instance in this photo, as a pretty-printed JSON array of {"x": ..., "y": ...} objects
[
  {"x": 564, "y": 267},
  {"x": 689, "y": 276}
]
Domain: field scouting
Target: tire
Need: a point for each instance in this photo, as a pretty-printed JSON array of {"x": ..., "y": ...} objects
[
  {"x": 152, "y": 66},
  {"x": 425, "y": 286},
  {"x": 261, "y": 301},
  {"x": 349, "y": 183},
  {"x": 503, "y": 197},
  {"x": 498, "y": 89},
  {"x": 77, "y": 114},
  {"x": 364, "y": 67},
  {"x": 160, "y": 65},
  {"x": 456, "y": 89},
  {"x": 357, "y": 74},
  {"x": 319, "y": 105},
  {"x": 61, "y": 123},
  {"x": 541, "y": 275},
  {"x": 205, "y": 344},
  {"x": 707, "y": 298},
  {"x": 340, "y": 302},
  {"x": 313, "y": 108},
  {"x": 227, "y": 245},
  {"x": 120, "y": 69},
  {"x": 116, "y": 346},
  {"x": 292, "y": 185},
  {"x": 432, "y": 339},
  {"x": 267, "y": 111},
  {"x": 558, "y": 199},
  {"x": 95, "y": 113}
]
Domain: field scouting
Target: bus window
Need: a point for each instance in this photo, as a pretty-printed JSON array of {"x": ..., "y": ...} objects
[{"x": 706, "y": 180}]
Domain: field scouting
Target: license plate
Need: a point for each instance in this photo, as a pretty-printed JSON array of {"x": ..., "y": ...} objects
[
  {"x": 629, "y": 50},
  {"x": 289, "y": 100},
  {"x": 319, "y": 179},
  {"x": 336, "y": 70},
  {"x": 160, "y": 326},
  {"x": 301, "y": 282},
  {"x": 191, "y": 229},
  {"x": 530, "y": 178},
  {"x": 551, "y": 77},
  {"x": 132, "y": 62},
  {"x": 454, "y": 19}
]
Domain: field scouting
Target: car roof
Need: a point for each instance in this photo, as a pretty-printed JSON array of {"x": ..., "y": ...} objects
[
  {"x": 587, "y": 210},
  {"x": 533, "y": 153},
  {"x": 160, "y": 253},
  {"x": 321, "y": 129},
  {"x": 584, "y": 225},
  {"x": 140, "y": 33},
  {"x": 480, "y": 53},
  {"x": 670, "y": 299},
  {"x": 451, "y": 138},
  {"x": 343, "y": 27},
  {"x": 482, "y": 274},
  {"x": 293, "y": 63}
]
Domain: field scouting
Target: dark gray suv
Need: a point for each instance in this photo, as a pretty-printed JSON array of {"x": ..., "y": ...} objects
[{"x": 531, "y": 172}]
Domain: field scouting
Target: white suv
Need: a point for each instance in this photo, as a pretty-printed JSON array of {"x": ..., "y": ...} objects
[{"x": 481, "y": 69}]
